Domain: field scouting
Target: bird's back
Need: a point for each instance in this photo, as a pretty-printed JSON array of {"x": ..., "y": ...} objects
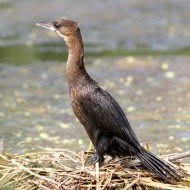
[{"x": 99, "y": 113}]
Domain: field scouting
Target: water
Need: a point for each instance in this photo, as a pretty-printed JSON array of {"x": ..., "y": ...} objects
[
  {"x": 139, "y": 52},
  {"x": 154, "y": 92}
]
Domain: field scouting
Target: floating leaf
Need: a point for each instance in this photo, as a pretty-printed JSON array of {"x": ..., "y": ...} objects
[
  {"x": 63, "y": 125},
  {"x": 130, "y": 109},
  {"x": 171, "y": 137},
  {"x": 2, "y": 114},
  {"x": 165, "y": 66},
  {"x": 169, "y": 74},
  {"x": 130, "y": 59},
  {"x": 128, "y": 81},
  {"x": 80, "y": 141},
  {"x": 44, "y": 135},
  {"x": 29, "y": 139},
  {"x": 158, "y": 98}
]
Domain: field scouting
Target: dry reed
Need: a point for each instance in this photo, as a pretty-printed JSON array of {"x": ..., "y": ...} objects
[{"x": 60, "y": 169}]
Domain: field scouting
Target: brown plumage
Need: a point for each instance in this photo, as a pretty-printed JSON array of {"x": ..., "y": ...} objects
[{"x": 99, "y": 113}]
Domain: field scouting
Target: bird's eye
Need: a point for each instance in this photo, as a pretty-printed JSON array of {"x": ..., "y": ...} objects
[{"x": 57, "y": 25}]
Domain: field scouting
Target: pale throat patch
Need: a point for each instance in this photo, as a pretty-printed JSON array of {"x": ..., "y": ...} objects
[
  {"x": 59, "y": 33},
  {"x": 65, "y": 37}
]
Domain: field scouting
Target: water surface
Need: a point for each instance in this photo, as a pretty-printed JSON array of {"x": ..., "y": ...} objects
[{"x": 153, "y": 92}]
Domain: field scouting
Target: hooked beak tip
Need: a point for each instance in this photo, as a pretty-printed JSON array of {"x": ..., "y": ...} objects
[
  {"x": 38, "y": 24},
  {"x": 46, "y": 25}
]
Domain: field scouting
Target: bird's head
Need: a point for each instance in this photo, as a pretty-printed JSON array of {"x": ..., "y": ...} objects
[{"x": 62, "y": 27}]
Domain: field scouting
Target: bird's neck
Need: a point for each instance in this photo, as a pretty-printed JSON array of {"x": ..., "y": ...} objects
[{"x": 75, "y": 66}]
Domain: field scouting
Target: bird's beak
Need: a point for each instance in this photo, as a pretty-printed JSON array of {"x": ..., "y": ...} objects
[{"x": 46, "y": 25}]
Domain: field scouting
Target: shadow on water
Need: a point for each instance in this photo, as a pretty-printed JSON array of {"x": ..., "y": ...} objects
[
  {"x": 22, "y": 54},
  {"x": 5, "y": 5}
]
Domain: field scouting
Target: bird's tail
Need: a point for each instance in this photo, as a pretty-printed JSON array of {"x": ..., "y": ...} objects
[{"x": 158, "y": 166}]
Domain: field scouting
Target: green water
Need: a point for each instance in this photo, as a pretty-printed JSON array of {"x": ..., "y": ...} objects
[{"x": 21, "y": 54}]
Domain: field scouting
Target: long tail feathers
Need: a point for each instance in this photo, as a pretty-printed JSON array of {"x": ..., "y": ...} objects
[
  {"x": 159, "y": 167},
  {"x": 152, "y": 162}
]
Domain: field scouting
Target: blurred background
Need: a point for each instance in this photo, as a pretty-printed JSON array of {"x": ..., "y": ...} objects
[{"x": 136, "y": 50}]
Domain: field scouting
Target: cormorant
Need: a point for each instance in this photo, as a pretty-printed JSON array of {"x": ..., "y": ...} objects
[{"x": 99, "y": 113}]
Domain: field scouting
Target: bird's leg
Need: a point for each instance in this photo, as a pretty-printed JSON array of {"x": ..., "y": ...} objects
[{"x": 97, "y": 158}]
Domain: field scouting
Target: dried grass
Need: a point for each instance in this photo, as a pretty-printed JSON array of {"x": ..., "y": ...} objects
[{"x": 60, "y": 169}]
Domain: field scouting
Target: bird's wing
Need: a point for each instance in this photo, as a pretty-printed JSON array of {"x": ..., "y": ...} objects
[{"x": 106, "y": 113}]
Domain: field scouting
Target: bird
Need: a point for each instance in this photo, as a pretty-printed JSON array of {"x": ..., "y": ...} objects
[{"x": 102, "y": 117}]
